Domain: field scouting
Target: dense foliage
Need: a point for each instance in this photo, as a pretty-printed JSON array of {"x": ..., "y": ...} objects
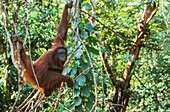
[{"x": 37, "y": 23}]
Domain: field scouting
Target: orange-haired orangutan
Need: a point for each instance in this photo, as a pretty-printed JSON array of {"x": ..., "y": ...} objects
[{"x": 48, "y": 67}]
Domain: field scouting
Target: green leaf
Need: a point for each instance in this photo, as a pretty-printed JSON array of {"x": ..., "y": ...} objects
[
  {"x": 84, "y": 35},
  {"x": 93, "y": 40},
  {"x": 78, "y": 21},
  {"x": 87, "y": 5},
  {"x": 77, "y": 101},
  {"x": 72, "y": 106},
  {"x": 81, "y": 80},
  {"x": 66, "y": 70},
  {"x": 89, "y": 27},
  {"x": 73, "y": 71},
  {"x": 86, "y": 92},
  {"x": 92, "y": 50},
  {"x": 65, "y": 111},
  {"x": 78, "y": 52},
  {"x": 76, "y": 92},
  {"x": 89, "y": 105},
  {"x": 76, "y": 85},
  {"x": 61, "y": 106}
]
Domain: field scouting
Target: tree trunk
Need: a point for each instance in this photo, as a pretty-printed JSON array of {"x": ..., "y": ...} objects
[{"x": 122, "y": 94}]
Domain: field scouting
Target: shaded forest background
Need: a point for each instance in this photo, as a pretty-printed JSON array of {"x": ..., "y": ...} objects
[{"x": 100, "y": 31}]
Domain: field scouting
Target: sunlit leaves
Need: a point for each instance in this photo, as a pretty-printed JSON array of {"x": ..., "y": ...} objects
[{"x": 93, "y": 50}]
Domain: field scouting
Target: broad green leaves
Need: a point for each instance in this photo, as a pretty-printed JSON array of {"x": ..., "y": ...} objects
[
  {"x": 78, "y": 52},
  {"x": 77, "y": 101},
  {"x": 76, "y": 92},
  {"x": 84, "y": 35},
  {"x": 89, "y": 27},
  {"x": 81, "y": 80},
  {"x": 86, "y": 92}
]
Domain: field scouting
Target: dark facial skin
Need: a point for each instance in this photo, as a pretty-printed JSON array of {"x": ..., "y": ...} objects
[{"x": 62, "y": 54}]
